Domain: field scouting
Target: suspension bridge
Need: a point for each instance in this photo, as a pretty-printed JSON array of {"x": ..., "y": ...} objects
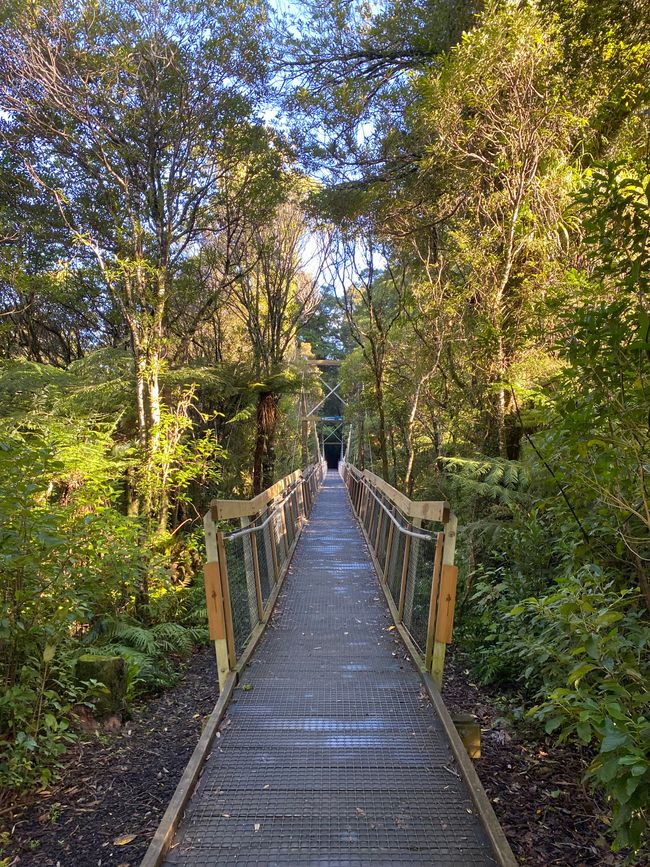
[{"x": 330, "y": 602}]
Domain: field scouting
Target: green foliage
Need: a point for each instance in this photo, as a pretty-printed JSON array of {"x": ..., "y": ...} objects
[
  {"x": 580, "y": 650},
  {"x": 73, "y": 566}
]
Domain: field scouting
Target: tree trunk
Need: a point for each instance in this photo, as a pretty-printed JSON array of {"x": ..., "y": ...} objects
[
  {"x": 264, "y": 455},
  {"x": 361, "y": 446},
  {"x": 383, "y": 445},
  {"x": 408, "y": 478}
]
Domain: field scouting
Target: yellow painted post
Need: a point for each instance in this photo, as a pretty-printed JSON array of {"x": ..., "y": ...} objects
[
  {"x": 214, "y": 600},
  {"x": 447, "y": 601}
]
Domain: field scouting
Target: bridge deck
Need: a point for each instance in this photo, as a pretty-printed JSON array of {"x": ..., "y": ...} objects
[{"x": 333, "y": 757}]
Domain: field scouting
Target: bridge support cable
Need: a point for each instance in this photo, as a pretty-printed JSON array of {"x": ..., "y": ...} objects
[
  {"x": 249, "y": 544},
  {"x": 413, "y": 545}
]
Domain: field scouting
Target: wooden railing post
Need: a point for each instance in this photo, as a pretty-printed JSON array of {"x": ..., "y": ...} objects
[
  {"x": 214, "y": 598},
  {"x": 446, "y": 601}
]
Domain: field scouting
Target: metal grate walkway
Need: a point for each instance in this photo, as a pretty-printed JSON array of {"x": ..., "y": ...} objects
[{"x": 332, "y": 757}]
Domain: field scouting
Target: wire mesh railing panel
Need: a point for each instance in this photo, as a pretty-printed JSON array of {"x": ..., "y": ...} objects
[
  {"x": 288, "y": 519},
  {"x": 393, "y": 571},
  {"x": 277, "y": 532},
  {"x": 373, "y": 519},
  {"x": 266, "y": 579},
  {"x": 418, "y": 589},
  {"x": 243, "y": 599},
  {"x": 382, "y": 539},
  {"x": 266, "y": 557}
]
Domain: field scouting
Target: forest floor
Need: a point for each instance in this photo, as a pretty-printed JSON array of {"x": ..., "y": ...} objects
[
  {"x": 114, "y": 787},
  {"x": 535, "y": 785}
]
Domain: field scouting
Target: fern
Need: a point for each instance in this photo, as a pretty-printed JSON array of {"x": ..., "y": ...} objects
[
  {"x": 148, "y": 651},
  {"x": 494, "y": 479}
]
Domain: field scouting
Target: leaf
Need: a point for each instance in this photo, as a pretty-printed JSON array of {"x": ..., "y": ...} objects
[
  {"x": 584, "y": 732},
  {"x": 578, "y": 673},
  {"x": 124, "y": 840},
  {"x": 553, "y": 724},
  {"x": 48, "y": 652},
  {"x": 612, "y": 740}
]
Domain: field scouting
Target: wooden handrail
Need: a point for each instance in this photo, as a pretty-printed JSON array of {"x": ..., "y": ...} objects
[
  {"x": 425, "y": 510},
  {"x": 223, "y": 510}
]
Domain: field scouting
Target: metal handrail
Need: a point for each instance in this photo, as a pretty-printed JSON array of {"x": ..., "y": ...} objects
[
  {"x": 253, "y": 528},
  {"x": 400, "y": 527}
]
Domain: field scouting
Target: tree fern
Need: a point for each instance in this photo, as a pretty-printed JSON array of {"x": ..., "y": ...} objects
[{"x": 494, "y": 479}]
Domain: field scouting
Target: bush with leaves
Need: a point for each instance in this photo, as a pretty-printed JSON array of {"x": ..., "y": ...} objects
[{"x": 584, "y": 648}]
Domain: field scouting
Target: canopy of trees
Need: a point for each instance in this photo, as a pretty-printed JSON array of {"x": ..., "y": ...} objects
[{"x": 196, "y": 198}]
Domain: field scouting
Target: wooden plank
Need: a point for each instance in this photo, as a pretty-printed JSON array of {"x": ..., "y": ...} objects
[
  {"x": 433, "y": 599},
  {"x": 448, "y": 555},
  {"x": 447, "y": 604},
  {"x": 214, "y": 602},
  {"x": 494, "y": 831}
]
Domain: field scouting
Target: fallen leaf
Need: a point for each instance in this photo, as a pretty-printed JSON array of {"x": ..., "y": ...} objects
[
  {"x": 257, "y": 826},
  {"x": 267, "y": 786},
  {"x": 124, "y": 840}
]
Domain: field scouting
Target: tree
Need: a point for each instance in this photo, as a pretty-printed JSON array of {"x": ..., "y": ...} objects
[
  {"x": 132, "y": 116},
  {"x": 371, "y": 298},
  {"x": 275, "y": 293}
]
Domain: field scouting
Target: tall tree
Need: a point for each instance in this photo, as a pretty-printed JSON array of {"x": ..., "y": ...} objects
[
  {"x": 132, "y": 115},
  {"x": 275, "y": 293}
]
